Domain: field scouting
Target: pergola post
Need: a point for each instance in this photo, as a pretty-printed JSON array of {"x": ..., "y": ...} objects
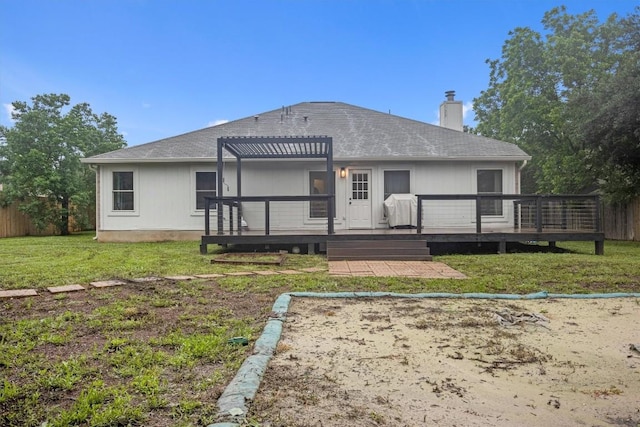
[
  {"x": 239, "y": 193},
  {"x": 219, "y": 206},
  {"x": 332, "y": 191}
]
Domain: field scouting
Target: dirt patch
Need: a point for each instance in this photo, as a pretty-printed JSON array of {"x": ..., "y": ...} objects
[
  {"x": 122, "y": 336},
  {"x": 406, "y": 362}
]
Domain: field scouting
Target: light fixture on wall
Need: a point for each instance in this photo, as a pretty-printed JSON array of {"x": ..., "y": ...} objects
[{"x": 343, "y": 173}]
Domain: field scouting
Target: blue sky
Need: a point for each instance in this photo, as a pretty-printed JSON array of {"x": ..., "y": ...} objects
[{"x": 168, "y": 67}]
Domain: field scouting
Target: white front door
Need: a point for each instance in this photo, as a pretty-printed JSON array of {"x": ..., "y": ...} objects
[{"x": 360, "y": 198}]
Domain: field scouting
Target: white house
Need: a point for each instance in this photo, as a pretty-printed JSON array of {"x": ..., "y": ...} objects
[{"x": 156, "y": 191}]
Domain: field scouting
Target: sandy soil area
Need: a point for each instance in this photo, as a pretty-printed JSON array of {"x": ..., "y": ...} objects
[{"x": 406, "y": 362}]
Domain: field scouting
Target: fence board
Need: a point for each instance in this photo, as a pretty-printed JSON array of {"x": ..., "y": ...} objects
[
  {"x": 14, "y": 223},
  {"x": 622, "y": 221}
]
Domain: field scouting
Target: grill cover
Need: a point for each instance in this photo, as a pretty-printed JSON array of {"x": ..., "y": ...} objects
[{"x": 401, "y": 210}]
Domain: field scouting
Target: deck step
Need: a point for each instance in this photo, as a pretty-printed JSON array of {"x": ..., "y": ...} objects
[{"x": 378, "y": 250}]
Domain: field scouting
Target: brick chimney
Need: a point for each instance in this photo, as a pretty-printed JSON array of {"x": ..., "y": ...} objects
[{"x": 451, "y": 112}]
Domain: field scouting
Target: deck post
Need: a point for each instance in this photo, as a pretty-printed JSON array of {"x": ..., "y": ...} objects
[
  {"x": 502, "y": 246},
  {"x": 207, "y": 211},
  {"x": 219, "y": 190},
  {"x": 332, "y": 191},
  {"x": 239, "y": 194},
  {"x": 598, "y": 220},
  {"x": 539, "y": 214},
  {"x": 478, "y": 215},
  {"x": 266, "y": 217},
  {"x": 599, "y": 247},
  {"x": 419, "y": 213}
]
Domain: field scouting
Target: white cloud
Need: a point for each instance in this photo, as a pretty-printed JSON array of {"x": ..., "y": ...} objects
[
  {"x": 146, "y": 105},
  {"x": 8, "y": 108},
  {"x": 466, "y": 108},
  {"x": 437, "y": 120},
  {"x": 217, "y": 122}
]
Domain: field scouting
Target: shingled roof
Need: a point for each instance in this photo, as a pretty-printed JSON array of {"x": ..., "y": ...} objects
[{"x": 358, "y": 134}]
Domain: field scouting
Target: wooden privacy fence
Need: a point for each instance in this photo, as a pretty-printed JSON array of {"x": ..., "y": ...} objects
[
  {"x": 622, "y": 221},
  {"x": 14, "y": 223}
]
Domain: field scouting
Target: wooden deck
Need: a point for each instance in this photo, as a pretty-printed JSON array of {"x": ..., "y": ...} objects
[
  {"x": 431, "y": 235},
  {"x": 540, "y": 218}
]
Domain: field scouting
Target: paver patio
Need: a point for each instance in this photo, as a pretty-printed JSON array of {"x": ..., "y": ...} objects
[{"x": 420, "y": 269}]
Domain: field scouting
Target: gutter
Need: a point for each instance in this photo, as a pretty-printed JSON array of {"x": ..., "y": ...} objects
[{"x": 523, "y": 159}]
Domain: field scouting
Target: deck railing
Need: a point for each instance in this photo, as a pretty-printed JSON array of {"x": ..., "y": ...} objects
[
  {"x": 234, "y": 202},
  {"x": 539, "y": 213},
  {"x": 487, "y": 212}
]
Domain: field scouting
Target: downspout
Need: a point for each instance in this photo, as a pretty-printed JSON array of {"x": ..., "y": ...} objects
[
  {"x": 518, "y": 188},
  {"x": 519, "y": 176}
]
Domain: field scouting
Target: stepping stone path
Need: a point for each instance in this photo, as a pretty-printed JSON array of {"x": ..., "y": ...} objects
[
  {"x": 288, "y": 272},
  {"x": 108, "y": 283},
  {"x": 67, "y": 288},
  {"x": 146, "y": 279},
  {"x": 267, "y": 273},
  {"x": 18, "y": 293},
  {"x": 179, "y": 278},
  {"x": 418, "y": 269}
]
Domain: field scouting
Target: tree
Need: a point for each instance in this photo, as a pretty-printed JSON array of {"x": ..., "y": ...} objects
[
  {"x": 612, "y": 129},
  {"x": 40, "y": 167},
  {"x": 550, "y": 95}
]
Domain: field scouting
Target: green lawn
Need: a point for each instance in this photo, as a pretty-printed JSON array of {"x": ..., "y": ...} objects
[
  {"x": 157, "y": 354},
  {"x": 38, "y": 262}
]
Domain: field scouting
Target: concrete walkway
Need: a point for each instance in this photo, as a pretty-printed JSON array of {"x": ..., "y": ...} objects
[{"x": 418, "y": 269}]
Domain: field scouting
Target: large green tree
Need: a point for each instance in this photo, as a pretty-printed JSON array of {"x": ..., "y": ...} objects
[
  {"x": 40, "y": 158},
  {"x": 569, "y": 97}
]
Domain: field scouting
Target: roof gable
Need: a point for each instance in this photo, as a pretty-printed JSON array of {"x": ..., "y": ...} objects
[{"x": 358, "y": 134}]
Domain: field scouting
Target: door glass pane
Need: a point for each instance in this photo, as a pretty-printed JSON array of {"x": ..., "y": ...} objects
[{"x": 360, "y": 186}]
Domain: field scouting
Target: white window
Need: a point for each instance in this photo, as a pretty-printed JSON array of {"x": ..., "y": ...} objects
[
  {"x": 318, "y": 185},
  {"x": 123, "y": 194},
  {"x": 490, "y": 182},
  {"x": 396, "y": 182},
  {"x": 205, "y": 187}
]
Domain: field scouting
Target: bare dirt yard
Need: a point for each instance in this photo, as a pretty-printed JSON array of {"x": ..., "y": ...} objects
[{"x": 411, "y": 362}]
